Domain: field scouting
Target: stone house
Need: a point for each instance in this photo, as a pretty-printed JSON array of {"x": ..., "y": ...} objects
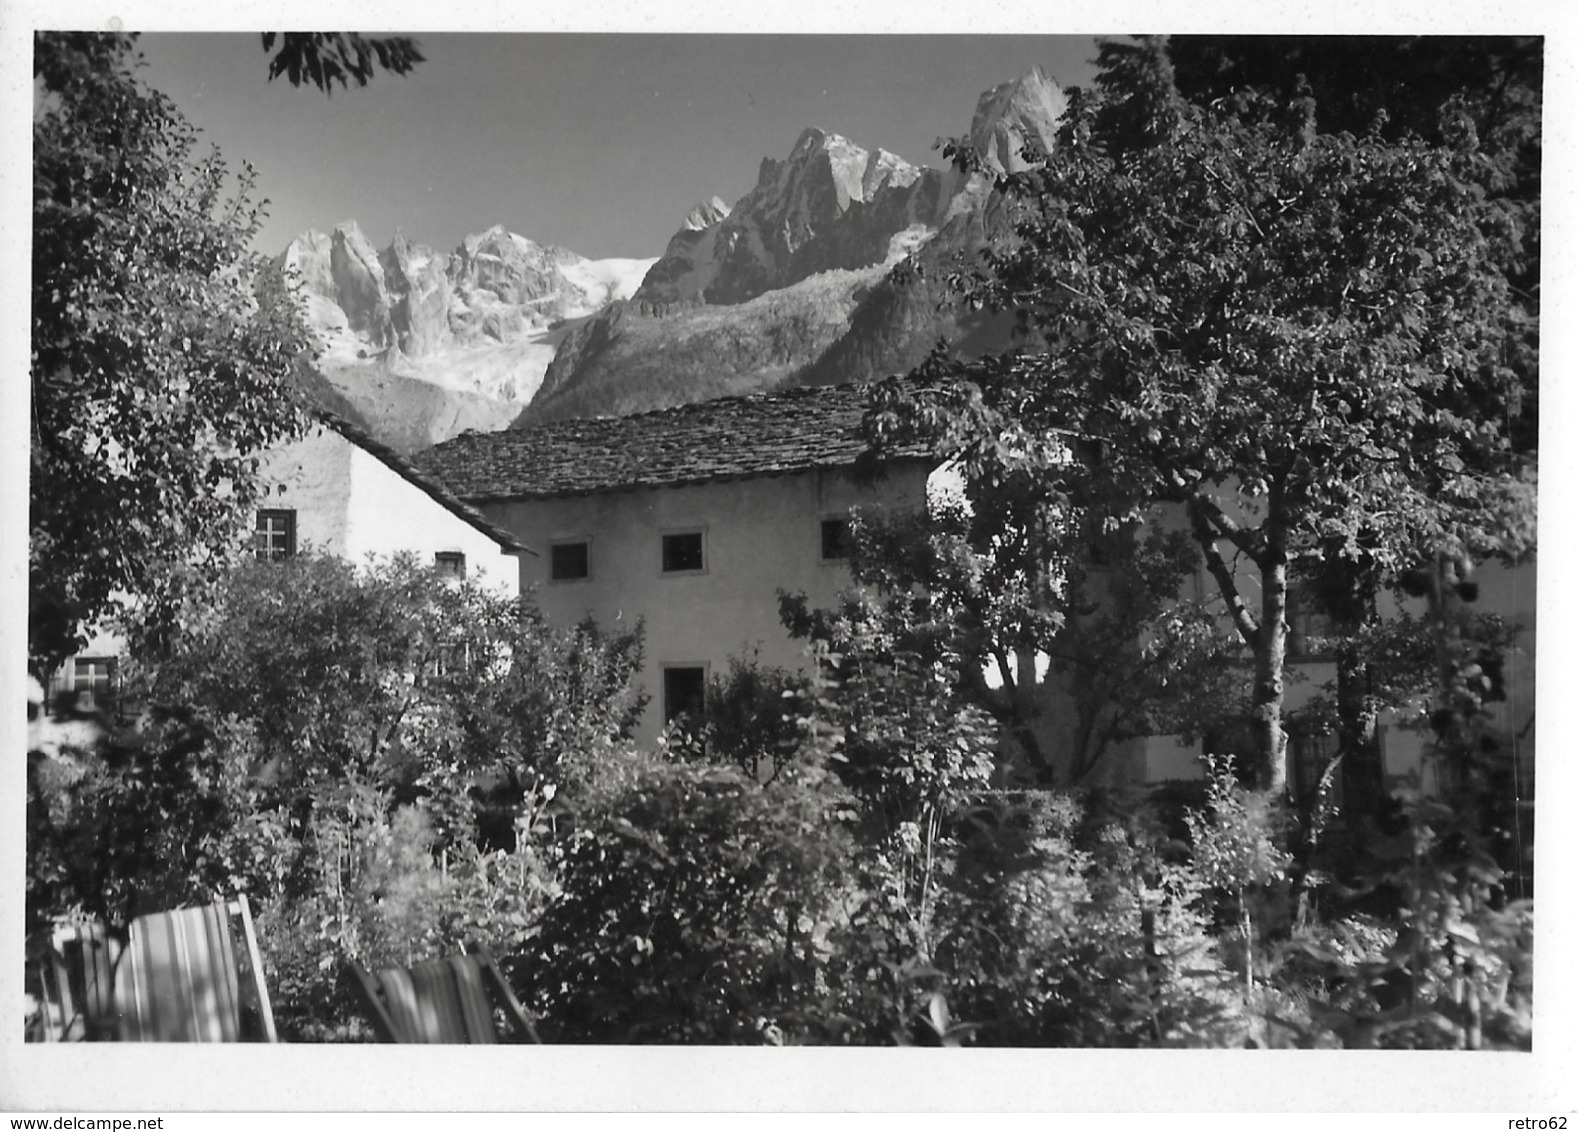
[{"x": 689, "y": 520}]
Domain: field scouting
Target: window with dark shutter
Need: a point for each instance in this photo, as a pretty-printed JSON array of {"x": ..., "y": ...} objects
[
  {"x": 682, "y": 552},
  {"x": 1310, "y": 748},
  {"x": 570, "y": 561},
  {"x": 835, "y": 539},
  {"x": 684, "y": 692}
]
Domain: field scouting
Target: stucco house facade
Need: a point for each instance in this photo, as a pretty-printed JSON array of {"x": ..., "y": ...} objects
[
  {"x": 689, "y": 520},
  {"x": 338, "y": 491}
]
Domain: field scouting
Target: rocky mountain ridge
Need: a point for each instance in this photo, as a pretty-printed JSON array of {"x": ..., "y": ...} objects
[
  {"x": 425, "y": 344},
  {"x": 879, "y": 233},
  {"x": 831, "y": 268}
]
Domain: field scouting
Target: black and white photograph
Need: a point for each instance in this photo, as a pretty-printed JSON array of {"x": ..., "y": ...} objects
[{"x": 790, "y": 565}]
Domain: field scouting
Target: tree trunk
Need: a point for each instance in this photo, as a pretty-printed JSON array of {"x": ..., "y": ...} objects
[{"x": 1270, "y": 659}]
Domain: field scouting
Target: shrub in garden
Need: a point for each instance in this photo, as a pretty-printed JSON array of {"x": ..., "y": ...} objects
[
  {"x": 693, "y": 903},
  {"x": 1075, "y": 921},
  {"x": 363, "y": 751},
  {"x": 381, "y": 892},
  {"x": 752, "y": 714}
]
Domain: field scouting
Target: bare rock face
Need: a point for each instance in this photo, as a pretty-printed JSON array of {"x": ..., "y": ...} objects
[
  {"x": 832, "y": 268},
  {"x": 359, "y": 285},
  {"x": 1026, "y": 109},
  {"x": 420, "y": 296},
  {"x": 705, "y": 215},
  {"x": 828, "y": 205},
  {"x": 420, "y": 343},
  {"x": 831, "y": 205}
]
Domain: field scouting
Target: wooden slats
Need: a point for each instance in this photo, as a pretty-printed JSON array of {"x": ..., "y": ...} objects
[
  {"x": 179, "y": 980},
  {"x": 443, "y": 1001},
  {"x": 73, "y": 970}
]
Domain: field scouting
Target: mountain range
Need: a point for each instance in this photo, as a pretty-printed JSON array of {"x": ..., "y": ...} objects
[{"x": 831, "y": 268}]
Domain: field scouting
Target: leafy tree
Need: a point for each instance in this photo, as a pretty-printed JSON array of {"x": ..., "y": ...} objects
[
  {"x": 1009, "y": 577},
  {"x": 160, "y": 347},
  {"x": 1396, "y": 85},
  {"x": 427, "y": 688},
  {"x": 1303, "y": 343},
  {"x": 327, "y": 58},
  {"x": 751, "y": 719}
]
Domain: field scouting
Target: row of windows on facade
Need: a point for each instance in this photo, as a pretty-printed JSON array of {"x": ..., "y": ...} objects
[
  {"x": 683, "y": 552},
  {"x": 274, "y": 539},
  {"x": 1309, "y": 626}
]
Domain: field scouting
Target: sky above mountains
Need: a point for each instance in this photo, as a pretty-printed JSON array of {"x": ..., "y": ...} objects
[{"x": 600, "y": 143}]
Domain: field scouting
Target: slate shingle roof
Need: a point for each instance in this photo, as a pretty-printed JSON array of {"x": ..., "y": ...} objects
[
  {"x": 763, "y": 434},
  {"x": 423, "y": 481}
]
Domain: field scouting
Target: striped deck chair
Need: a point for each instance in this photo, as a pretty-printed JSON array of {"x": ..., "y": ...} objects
[
  {"x": 443, "y": 1001},
  {"x": 72, "y": 971},
  {"x": 181, "y": 978}
]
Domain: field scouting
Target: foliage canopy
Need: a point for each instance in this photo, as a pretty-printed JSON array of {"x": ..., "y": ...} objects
[
  {"x": 1308, "y": 343},
  {"x": 161, "y": 348}
]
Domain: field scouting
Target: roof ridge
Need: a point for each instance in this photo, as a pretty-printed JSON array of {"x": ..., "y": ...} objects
[
  {"x": 767, "y": 433},
  {"x": 760, "y": 396}
]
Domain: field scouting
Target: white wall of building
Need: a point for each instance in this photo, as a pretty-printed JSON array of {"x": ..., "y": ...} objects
[
  {"x": 760, "y": 535},
  {"x": 1506, "y": 592},
  {"x": 351, "y": 504}
]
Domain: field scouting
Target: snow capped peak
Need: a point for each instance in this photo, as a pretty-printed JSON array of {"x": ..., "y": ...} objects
[
  {"x": 1026, "y": 109},
  {"x": 883, "y": 169},
  {"x": 706, "y": 214}
]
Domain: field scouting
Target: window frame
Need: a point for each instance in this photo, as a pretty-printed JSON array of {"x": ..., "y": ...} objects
[
  {"x": 105, "y": 701},
  {"x": 824, "y": 523},
  {"x": 584, "y": 541},
  {"x": 700, "y": 533},
  {"x": 288, "y": 514},
  {"x": 450, "y": 558},
  {"x": 1301, "y": 608},
  {"x": 1309, "y": 747},
  {"x": 699, "y": 666}
]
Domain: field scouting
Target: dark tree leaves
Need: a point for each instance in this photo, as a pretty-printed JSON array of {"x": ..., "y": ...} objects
[
  {"x": 1307, "y": 343},
  {"x": 161, "y": 346},
  {"x": 329, "y": 58}
]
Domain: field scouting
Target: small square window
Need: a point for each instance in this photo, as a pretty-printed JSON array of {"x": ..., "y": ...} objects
[
  {"x": 450, "y": 563},
  {"x": 684, "y": 692},
  {"x": 452, "y": 659},
  {"x": 682, "y": 552},
  {"x": 274, "y": 537},
  {"x": 835, "y": 539},
  {"x": 569, "y": 561}
]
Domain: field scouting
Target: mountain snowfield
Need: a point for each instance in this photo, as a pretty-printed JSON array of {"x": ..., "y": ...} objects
[
  {"x": 792, "y": 284},
  {"x": 425, "y": 345}
]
